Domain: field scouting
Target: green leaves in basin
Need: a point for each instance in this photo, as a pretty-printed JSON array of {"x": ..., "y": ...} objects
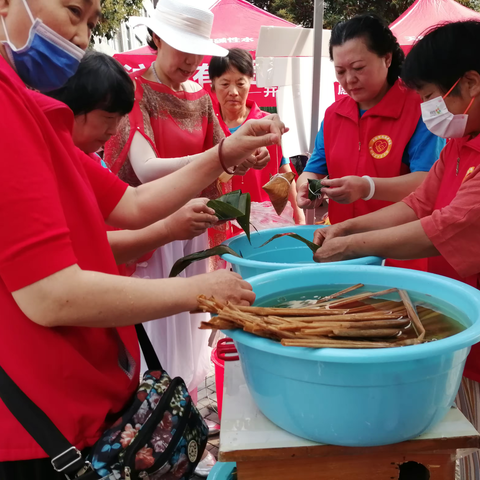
[
  {"x": 314, "y": 189},
  {"x": 312, "y": 246},
  {"x": 181, "y": 264},
  {"x": 233, "y": 206}
]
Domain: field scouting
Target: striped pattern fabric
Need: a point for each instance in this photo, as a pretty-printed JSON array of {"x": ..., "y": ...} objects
[{"x": 468, "y": 402}]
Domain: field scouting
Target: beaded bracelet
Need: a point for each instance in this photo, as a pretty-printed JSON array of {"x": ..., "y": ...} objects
[{"x": 220, "y": 158}]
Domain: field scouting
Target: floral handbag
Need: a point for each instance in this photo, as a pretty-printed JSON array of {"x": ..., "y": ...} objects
[{"x": 160, "y": 436}]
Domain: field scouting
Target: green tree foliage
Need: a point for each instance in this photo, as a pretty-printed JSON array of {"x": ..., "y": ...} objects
[
  {"x": 114, "y": 13},
  {"x": 301, "y": 11}
]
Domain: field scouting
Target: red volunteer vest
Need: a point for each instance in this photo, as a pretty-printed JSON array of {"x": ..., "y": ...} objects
[
  {"x": 451, "y": 182},
  {"x": 372, "y": 145}
]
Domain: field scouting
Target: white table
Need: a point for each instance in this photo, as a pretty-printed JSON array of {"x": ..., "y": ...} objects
[{"x": 264, "y": 451}]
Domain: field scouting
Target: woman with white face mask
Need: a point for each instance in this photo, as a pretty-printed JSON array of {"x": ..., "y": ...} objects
[
  {"x": 441, "y": 219},
  {"x": 66, "y": 329}
]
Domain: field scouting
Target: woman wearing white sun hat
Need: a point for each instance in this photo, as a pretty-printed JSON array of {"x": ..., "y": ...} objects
[{"x": 172, "y": 122}]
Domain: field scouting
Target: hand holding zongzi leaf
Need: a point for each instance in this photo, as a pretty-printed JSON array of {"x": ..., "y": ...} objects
[
  {"x": 191, "y": 220},
  {"x": 233, "y": 206},
  {"x": 309, "y": 194},
  {"x": 314, "y": 189}
]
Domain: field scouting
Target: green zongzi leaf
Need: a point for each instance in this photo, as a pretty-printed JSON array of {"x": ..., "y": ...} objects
[
  {"x": 314, "y": 189},
  {"x": 181, "y": 264},
  {"x": 312, "y": 246},
  {"x": 233, "y": 206},
  {"x": 224, "y": 211},
  {"x": 244, "y": 220}
]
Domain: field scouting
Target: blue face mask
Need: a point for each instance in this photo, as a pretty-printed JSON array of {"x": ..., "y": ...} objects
[{"x": 47, "y": 60}]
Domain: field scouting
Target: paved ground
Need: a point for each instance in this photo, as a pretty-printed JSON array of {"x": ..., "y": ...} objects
[{"x": 207, "y": 404}]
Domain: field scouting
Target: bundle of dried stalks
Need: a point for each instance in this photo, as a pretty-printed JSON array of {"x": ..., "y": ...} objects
[{"x": 335, "y": 321}]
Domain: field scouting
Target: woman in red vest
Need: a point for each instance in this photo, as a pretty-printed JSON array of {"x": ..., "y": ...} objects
[
  {"x": 441, "y": 219},
  {"x": 372, "y": 144},
  {"x": 231, "y": 77}
]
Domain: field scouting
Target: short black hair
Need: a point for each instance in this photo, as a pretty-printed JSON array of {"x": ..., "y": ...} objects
[
  {"x": 378, "y": 38},
  {"x": 100, "y": 83},
  {"x": 443, "y": 55},
  {"x": 237, "y": 58}
]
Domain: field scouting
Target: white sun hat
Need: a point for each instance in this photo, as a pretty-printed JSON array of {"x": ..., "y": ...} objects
[{"x": 183, "y": 26}]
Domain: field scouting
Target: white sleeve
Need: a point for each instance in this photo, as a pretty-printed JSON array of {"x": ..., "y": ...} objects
[{"x": 147, "y": 166}]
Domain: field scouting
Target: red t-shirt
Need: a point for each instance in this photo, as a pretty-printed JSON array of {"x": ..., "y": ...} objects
[
  {"x": 53, "y": 204},
  {"x": 448, "y": 205}
]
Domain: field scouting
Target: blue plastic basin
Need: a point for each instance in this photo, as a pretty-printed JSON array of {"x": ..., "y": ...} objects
[
  {"x": 359, "y": 397},
  {"x": 222, "y": 471},
  {"x": 280, "y": 254}
]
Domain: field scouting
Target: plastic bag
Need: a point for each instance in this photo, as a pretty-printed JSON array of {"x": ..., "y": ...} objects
[{"x": 263, "y": 216}]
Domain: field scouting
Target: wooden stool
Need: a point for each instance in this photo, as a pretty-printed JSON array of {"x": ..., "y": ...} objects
[{"x": 264, "y": 451}]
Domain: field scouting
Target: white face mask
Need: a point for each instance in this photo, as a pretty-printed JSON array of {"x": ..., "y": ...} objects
[{"x": 440, "y": 121}]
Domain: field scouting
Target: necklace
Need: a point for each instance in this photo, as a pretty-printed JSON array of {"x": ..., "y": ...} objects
[{"x": 155, "y": 73}]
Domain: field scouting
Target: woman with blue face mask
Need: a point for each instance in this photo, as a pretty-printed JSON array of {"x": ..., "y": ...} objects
[
  {"x": 441, "y": 219},
  {"x": 66, "y": 328}
]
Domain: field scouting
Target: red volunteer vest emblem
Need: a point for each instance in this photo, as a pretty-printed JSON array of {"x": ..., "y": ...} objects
[{"x": 380, "y": 146}]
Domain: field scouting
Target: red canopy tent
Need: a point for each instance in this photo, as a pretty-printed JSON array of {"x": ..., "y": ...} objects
[
  {"x": 424, "y": 14},
  {"x": 237, "y": 24}
]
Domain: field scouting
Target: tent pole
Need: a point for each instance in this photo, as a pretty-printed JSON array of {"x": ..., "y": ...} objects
[{"x": 317, "y": 69}]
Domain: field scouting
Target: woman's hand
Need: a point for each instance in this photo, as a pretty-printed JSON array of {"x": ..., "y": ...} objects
[
  {"x": 243, "y": 168},
  {"x": 191, "y": 220},
  {"x": 346, "y": 189},
  {"x": 334, "y": 250},
  {"x": 224, "y": 286},
  {"x": 251, "y": 136},
  {"x": 328, "y": 233},
  {"x": 302, "y": 198},
  {"x": 261, "y": 158},
  {"x": 257, "y": 161}
]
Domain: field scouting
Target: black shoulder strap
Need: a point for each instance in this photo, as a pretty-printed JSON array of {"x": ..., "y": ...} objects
[
  {"x": 153, "y": 363},
  {"x": 65, "y": 458}
]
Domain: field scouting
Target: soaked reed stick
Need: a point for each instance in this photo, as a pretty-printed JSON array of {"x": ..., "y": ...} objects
[
  {"x": 357, "y": 333},
  {"x": 290, "y": 312},
  {"x": 358, "y": 298},
  {"x": 355, "y": 317},
  {"x": 339, "y": 294},
  {"x": 326, "y": 342},
  {"x": 412, "y": 314},
  {"x": 397, "y": 324}
]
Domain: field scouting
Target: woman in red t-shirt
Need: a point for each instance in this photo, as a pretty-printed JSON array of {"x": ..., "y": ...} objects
[
  {"x": 100, "y": 94},
  {"x": 441, "y": 219},
  {"x": 231, "y": 77},
  {"x": 66, "y": 335}
]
